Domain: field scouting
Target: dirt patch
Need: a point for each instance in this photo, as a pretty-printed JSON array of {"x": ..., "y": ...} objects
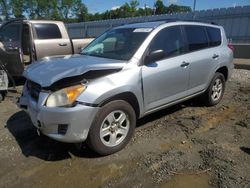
[
  {"x": 187, "y": 145},
  {"x": 188, "y": 181}
]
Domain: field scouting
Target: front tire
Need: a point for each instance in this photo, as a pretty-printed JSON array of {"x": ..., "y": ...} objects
[
  {"x": 215, "y": 91},
  {"x": 112, "y": 127}
]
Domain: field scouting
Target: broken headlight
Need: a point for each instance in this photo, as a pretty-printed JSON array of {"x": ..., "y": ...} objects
[{"x": 65, "y": 97}]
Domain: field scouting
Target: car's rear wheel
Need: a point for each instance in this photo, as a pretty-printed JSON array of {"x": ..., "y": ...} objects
[
  {"x": 112, "y": 128},
  {"x": 215, "y": 91}
]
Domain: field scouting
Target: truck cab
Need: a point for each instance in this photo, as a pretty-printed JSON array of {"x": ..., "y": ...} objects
[{"x": 24, "y": 41}]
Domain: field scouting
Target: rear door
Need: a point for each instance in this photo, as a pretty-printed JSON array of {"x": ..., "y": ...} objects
[
  {"x": 10, "y": 47},
  {"x": 166, "y": 80},
  {"x": 50, "y": 40},
  {"x": 202, "y": 57}
]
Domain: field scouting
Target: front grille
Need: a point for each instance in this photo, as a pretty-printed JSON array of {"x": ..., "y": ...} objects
[{"x": 34, "y": 89}]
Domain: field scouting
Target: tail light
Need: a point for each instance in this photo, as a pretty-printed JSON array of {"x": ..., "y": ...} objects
[{"x": 230, "y": 45}]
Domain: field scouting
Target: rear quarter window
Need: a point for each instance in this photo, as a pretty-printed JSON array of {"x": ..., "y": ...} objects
[
  {"x": 196, "y": 37},
  {"x": 47, "y": 31},
  {"x": 214, "y": 35}
]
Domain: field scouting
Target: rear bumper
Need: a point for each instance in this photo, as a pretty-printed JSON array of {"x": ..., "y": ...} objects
[{"x": 77, "y": 119}]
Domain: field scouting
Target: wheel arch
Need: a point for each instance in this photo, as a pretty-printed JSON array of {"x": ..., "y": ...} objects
[
  {"x": 129, "y": 97},
  {"x": 223, "y": 70}
]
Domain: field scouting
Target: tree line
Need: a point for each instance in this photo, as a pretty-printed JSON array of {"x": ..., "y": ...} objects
[{"x": 77, "y": 11}]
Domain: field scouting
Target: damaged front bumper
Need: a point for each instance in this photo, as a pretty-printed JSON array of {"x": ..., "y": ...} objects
[{"x": 65, "y": 124}]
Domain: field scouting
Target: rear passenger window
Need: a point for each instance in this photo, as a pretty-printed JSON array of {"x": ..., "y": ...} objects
[
  {"x": 214, "y": 35},
  {"x": 47, "y": 31},
  {"x": 169, "y": 40},
  {"x": 196, "y": 37}
]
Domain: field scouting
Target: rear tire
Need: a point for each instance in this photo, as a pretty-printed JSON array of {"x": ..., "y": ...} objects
[
  {"x": 215, "y": 91},
  {"x": 112, "y": 127}
]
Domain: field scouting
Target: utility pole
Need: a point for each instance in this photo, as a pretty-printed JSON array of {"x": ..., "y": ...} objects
[
  {"x": 194, "y": 5},
  {"x": 194, "y": 9}
]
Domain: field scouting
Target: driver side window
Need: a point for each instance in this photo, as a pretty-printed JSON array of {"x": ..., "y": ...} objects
[{"x": 169, "y": 40}]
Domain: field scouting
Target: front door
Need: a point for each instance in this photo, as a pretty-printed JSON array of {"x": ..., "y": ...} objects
[
  {"x": 166, "y": 80},
  {"x": 10, "y": 48}
]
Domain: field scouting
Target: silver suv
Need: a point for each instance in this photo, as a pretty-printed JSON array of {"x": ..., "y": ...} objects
[{"x": 125, "y": 74}]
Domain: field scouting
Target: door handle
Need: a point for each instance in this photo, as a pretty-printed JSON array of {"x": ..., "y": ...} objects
[
  {"x": 184, "y": 64},
  {"x": 62, "y": 44},
  {"x": 215, "y": 56}
]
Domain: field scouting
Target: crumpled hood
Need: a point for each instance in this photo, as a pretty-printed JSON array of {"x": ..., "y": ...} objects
[{"x": 49, "y": 70}]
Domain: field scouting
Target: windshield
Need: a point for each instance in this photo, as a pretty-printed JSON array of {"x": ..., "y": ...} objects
[{"x": 118, "y": 44}]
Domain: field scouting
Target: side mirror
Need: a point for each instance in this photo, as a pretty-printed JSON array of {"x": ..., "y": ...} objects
[{"x": 154, "y": 56}]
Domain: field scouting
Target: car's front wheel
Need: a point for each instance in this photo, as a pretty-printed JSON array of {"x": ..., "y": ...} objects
[{"x": 112, "y": 128}]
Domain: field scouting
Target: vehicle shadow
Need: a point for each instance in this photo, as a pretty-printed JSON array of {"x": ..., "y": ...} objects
[
  {"x": 167, "y": 111},
  {"x": 42, "y": 147},
  {"x": 157, "y": 115},
  {"x": 245, "y": 149}
]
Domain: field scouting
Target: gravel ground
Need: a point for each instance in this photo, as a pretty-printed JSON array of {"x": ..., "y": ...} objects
[{"x": 187, "y": 145}]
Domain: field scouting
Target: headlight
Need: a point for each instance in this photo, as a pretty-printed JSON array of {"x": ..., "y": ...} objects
[{"x": 65, "y": 97}]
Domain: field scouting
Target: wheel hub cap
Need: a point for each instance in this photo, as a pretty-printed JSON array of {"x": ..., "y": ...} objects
[
  {"x": 114, "y": 128},
  {"x": 217, "y": 89}
]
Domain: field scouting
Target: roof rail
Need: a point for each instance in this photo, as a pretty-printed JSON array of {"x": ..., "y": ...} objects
[{"x": 192, "y": 20}]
